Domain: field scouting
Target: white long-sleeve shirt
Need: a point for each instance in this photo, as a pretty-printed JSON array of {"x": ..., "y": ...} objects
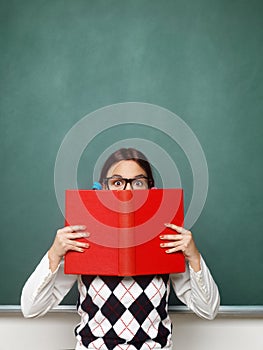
[{"x": 121, "y": 312}]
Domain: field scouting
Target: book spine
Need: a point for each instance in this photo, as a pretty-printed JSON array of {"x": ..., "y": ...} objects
[{"x": 126, "y": 251}]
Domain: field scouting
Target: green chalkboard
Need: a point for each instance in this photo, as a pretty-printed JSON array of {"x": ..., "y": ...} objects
[{"x": 202, "y": 60}]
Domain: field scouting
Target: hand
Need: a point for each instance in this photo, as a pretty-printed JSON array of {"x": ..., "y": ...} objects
[
  {"x": 65, "y": 240},
  {"x": 182, "y": 242}
]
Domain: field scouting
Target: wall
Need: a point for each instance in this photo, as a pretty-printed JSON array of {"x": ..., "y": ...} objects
[
  {"x": 55, "y": 332},
  {"x": 202, "y": 60}
]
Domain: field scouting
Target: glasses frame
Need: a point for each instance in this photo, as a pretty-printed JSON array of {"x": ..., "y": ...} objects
[{"x": 127, "y": 181}]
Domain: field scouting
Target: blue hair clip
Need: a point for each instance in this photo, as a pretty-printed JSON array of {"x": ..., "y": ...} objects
[{"x": 96, "y": 186}]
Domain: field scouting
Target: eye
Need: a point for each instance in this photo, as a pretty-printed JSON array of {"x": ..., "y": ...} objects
[
  {"x": 118, "y": 183},
  {"x": 140, "y": 184}
]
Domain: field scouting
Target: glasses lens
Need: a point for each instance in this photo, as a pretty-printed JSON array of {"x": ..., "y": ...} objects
[
  {"x": 140, "y": 183},
  {"x": 116, "y": 183}
]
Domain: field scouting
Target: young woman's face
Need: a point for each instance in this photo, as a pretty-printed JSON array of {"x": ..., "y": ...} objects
[{"x": 128, "y": 169}]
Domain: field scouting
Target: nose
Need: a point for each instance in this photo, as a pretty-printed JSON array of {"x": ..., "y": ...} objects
[{"x": 128, "y": 187}]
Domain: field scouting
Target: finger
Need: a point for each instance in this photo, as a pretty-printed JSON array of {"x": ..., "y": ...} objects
[
  {"x": 168, "y": 244},
  {"x": 76, "y": 249},
  {"x": 175, "y": 246},
  {"x": 74, "y": 228},
  {"x": 173, "y": 250},
  {"x": 78, "y": 244},
  {"x": 181, "y": 245},
  {"x": 77, "y": 235},
  {"x": 178, "y": 229},
  {"x": 172, "y": 237}
]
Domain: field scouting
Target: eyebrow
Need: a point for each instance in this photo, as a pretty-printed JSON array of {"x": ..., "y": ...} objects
[{"x": 135, "y": 177}]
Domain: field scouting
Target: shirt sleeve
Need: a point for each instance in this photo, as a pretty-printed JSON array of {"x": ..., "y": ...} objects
[
  {"x": 45, "y": 289},
  {"x": 198, "y": 291}
]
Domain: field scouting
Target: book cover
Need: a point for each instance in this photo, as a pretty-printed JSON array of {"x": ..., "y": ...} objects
[{"x": 124, "y": 229}]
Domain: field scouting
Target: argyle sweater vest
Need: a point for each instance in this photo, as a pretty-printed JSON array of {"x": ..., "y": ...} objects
[{"x": 124, "y": 312}]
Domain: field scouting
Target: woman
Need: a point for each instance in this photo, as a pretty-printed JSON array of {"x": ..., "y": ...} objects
[{"x": 122, "y": 312}]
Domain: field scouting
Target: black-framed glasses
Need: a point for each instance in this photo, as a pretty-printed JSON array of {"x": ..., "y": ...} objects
[{"x": 120, "y": 183}]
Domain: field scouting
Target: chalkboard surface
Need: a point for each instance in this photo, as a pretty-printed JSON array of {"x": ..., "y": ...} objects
[{"x": 202, "y": 60}]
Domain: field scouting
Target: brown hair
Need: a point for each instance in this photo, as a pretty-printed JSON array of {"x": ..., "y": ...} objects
[{"x": 128, "y": 154}]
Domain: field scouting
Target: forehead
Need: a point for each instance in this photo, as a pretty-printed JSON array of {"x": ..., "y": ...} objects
[{"x": 126, "y": 168}]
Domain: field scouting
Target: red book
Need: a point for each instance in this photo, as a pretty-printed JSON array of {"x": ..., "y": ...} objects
[{"x": 124, "y": 229}]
